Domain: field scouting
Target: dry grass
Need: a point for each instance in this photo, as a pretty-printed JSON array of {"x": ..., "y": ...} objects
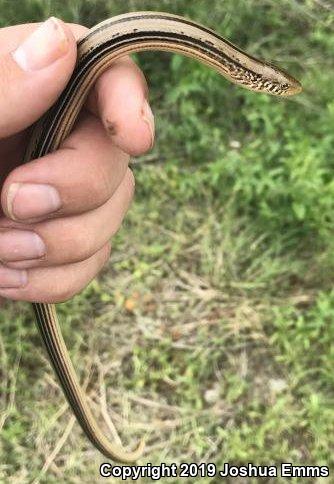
[{"x": 210, "y": 333}]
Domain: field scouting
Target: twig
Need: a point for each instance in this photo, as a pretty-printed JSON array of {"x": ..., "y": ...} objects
[
  {"x": 61, "y": 442},
  {"x": 151, "y": 403},
  {"x": 103, "y": 403},
  {"x": 11, "y": 400},
  {"x": 63, "y": 439}
]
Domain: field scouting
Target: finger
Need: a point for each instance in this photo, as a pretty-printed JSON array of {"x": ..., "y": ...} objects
[
  {"x": 34, "y": 74},
  {"x": 11, "y": 37},
  {"x": 80, "y": 176},
  {"x": 66, "y": 240},
  {"x": 119, "y": 98},
  {"x": 104, "y": 100},
  {"x": 51, "y": 284}
]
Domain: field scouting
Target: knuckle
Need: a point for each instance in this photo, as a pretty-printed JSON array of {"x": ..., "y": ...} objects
[
  {"x": 74, "y": 284},
  {"x": 84, "y": 247},
  {"x": 101, "y": 186},
  {"x": 63, "y": 296},
  {"x": 104, "y": 185},
  {"x": 130, "y": 182},
  {"x": 63, "y": 291},
  {"x": 78, "y": 246},
  {"x": 78, "y": 241},
  {"x": 67, "y": 281},
  {"x": 106, "y": 251},
  {"x": 59, "y": 291}
]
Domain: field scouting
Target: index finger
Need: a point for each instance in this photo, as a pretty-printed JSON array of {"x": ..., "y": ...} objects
[
  {"x": 119, "y": 97},
  {"x": 120, "y": 100}
]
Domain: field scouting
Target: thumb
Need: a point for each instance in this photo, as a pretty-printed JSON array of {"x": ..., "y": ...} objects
[{"x": 33, "y": 76}]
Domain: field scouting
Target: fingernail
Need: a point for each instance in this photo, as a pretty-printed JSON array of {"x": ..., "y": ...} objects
[
  {"x": 44, "y": 46},
  {"x": 12, "y": 278},
  {"x": 20, "y": 245},
  {"x": 148, "y": 118},
  {"x": 28, "y": 200}
]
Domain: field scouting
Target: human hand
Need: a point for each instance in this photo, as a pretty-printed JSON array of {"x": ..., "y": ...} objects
[{"x": 60, "y": 211}]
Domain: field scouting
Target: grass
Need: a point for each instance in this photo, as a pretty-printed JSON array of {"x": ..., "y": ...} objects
[{"x": 211, "y": 330}]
